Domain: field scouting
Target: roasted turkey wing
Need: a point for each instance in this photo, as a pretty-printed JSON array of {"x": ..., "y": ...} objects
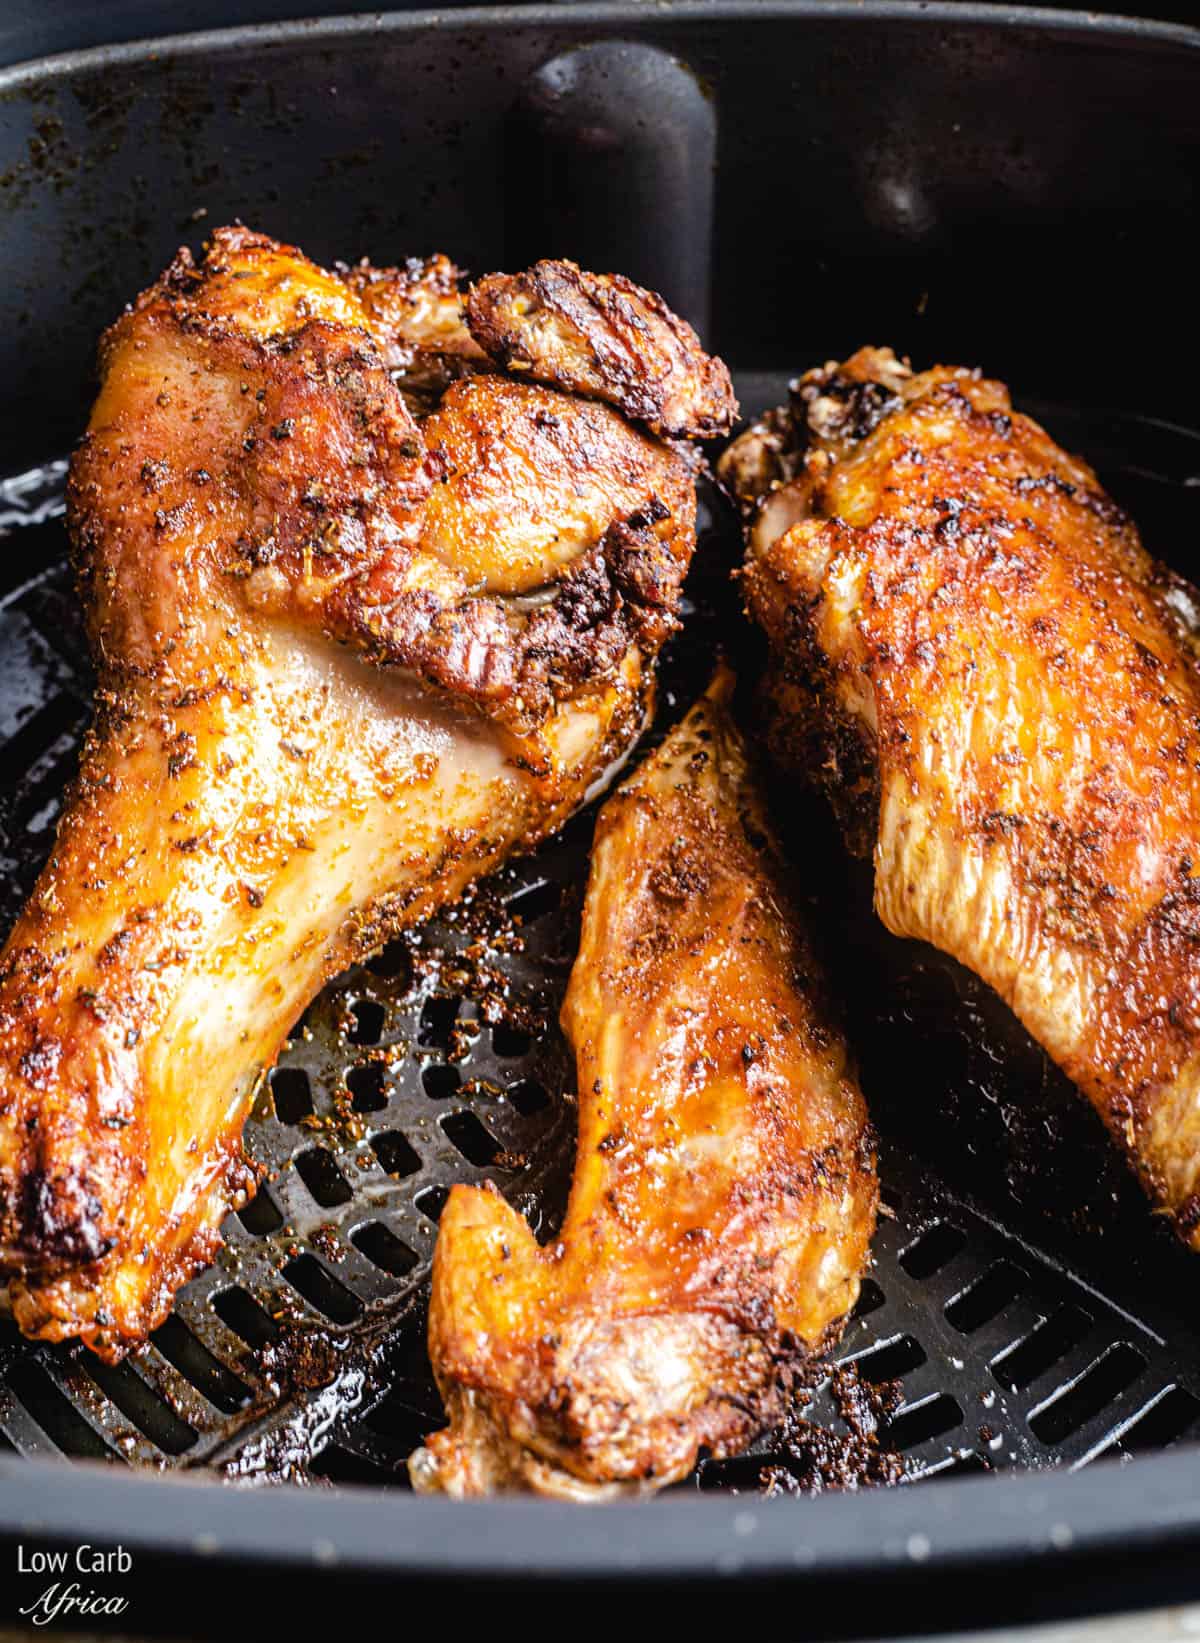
[
  {"x": 724, "y": 1193},
  {"x": 975, "y": 655},
  {"x": 347, "y": 661}
]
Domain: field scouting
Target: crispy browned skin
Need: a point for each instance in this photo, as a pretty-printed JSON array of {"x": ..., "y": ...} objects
[
  {"x": 600, "y": 334},
  {"x": 998, "y": 685},
  {"x": 419, "y": 316},
  {"x": 724, "y": 1194},
  {"x": 324, "y": 705}
]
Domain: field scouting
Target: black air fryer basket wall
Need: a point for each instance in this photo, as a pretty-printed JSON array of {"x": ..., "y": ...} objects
[
  {"x": 34, "y": 28},
  {"x": 968, "y": 184}
]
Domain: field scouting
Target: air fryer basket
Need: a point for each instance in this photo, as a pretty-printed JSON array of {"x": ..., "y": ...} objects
[{"x": 963, "y": 183}]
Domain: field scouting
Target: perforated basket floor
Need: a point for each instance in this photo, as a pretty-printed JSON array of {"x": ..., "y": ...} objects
[{"x": 1022, "y": 1298}]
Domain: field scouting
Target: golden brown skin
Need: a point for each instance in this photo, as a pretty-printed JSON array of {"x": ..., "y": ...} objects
[
  {"x": 724, "y": 1195},
  {"x": 419, "y": 314},
  {"x": 998, "y": 685},
  {"x": 600, "y": 334},
  {"x": 320, "y": 713}
]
